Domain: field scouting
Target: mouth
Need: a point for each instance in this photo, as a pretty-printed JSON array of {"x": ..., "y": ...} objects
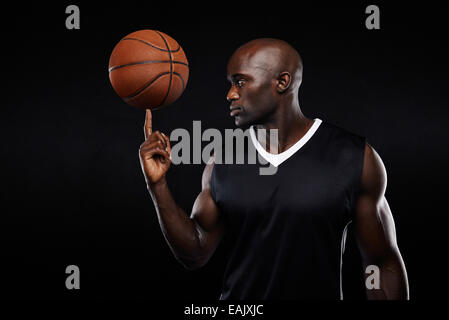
[{"x": 235, "y": 110}]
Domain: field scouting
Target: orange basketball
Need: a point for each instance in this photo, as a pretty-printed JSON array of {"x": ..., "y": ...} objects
[{"x": 148, "y": 69}]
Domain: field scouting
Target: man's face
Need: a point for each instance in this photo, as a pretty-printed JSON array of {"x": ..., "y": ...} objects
[{"x": 252, "y": 94}]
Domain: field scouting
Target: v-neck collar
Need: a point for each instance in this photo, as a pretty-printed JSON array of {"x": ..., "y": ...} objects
[{"x": 277, "y": 159}]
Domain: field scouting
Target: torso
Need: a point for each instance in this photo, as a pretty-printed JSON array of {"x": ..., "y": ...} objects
[{"x": 287, "y": 229}]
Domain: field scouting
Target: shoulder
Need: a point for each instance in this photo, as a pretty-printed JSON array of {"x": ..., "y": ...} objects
[
  {"x": 337, "y": 134},
  {"x": 343, "y": 145},
  {"x": 374, "y": 174}
]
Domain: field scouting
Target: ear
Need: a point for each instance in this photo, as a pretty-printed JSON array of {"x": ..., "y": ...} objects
[{"x": 284, "y": 81}]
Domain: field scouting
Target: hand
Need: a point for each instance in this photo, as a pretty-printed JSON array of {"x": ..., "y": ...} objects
[{"x": 154, "y": 153}]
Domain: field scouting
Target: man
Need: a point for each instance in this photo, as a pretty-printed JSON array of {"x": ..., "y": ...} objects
[{"x": 287, "y": 229}]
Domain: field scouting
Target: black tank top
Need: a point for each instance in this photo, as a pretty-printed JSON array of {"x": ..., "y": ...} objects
[{"x": 287, "y": 230}]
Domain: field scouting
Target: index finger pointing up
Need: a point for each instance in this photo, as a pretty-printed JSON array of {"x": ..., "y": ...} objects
[{"x": 148, "y": 126}]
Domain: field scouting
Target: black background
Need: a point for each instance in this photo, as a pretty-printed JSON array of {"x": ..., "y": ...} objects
[{"x": 72, "y": 187}]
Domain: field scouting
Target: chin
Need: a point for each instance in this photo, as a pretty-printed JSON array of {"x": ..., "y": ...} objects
[{"x": 242, "y": 123}]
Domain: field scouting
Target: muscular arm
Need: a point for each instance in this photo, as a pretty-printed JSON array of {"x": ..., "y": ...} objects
[
  {"x": 192, "y": 239},
  {"x": 375, "y": 231}
]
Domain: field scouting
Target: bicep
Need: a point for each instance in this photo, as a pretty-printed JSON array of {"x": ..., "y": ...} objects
[
  {"x": 375, "y": 230},
  {"x": 206, "y": 215},
  {"x": 205, "y": 212}
]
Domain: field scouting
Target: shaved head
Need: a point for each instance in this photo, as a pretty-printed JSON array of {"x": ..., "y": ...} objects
[{"x": 272, "y": 55}]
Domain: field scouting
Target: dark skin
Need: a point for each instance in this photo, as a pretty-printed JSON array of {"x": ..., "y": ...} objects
[{"x": 265, "y": 76}]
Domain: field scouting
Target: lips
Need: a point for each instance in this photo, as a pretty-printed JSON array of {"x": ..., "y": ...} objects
[{"x": 235, "y": 110}]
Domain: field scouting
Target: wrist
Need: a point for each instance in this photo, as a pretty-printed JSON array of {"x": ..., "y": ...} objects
[{"x": 156, "y": 186}]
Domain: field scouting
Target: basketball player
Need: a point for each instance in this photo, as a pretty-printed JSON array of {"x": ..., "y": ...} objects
[{"x": 287, "y": 229}]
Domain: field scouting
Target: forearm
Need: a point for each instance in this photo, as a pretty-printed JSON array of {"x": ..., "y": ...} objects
[
  {"x": 393, "y": 281},
  {"x": 178, "y": 229}
]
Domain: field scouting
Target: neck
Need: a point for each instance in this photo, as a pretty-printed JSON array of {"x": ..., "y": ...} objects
[{"x": 290, "y": 123}]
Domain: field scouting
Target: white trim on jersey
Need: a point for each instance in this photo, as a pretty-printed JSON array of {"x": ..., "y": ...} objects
[
  {"x": 277, "y": 159},
  {"x": 342, "y": 247}
]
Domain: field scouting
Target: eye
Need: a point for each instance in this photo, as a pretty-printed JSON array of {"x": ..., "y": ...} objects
[{"x": 240, "y": 83}]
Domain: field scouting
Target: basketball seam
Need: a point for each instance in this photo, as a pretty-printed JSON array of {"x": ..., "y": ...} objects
[
  {"x": 182, "y": 79},
  {"x": 171, "y": 68},
  {"x": 149, "y": 44},
  {"x": 145, "y": 62},
  {"x": 145, "y": 87}
]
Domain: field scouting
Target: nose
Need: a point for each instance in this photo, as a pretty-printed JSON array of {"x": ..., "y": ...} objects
[{"x": 232, "y": 94}]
